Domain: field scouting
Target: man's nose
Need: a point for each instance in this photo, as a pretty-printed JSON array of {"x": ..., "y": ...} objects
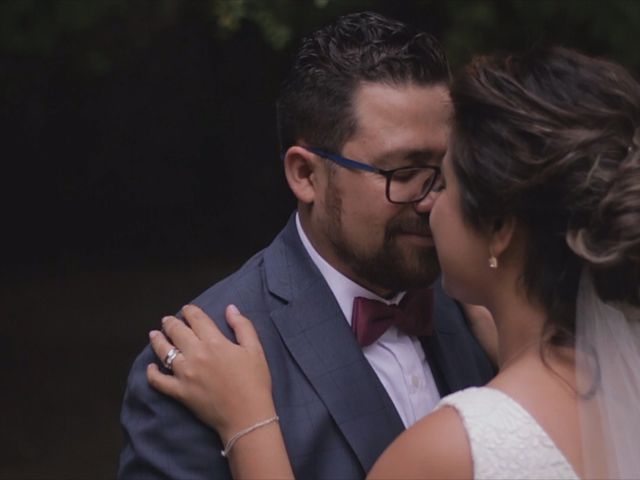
[{"x": 426, "y": 204}]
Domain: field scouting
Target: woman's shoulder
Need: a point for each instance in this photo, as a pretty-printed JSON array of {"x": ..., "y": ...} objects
[{"x": 436, "y": 447}]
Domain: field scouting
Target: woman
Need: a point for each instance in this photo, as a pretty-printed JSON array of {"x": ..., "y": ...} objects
[{"x": 538, "y": 219}]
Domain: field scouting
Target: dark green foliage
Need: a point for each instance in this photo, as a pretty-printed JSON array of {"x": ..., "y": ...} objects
[
  {"x": 96, "y": 32},
  {"x": 99, "y": 32}
]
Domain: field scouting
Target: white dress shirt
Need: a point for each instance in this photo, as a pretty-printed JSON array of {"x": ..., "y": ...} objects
[{"x": 398, "y": 359}]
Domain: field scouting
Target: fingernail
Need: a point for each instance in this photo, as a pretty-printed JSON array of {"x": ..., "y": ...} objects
[
  {"x": 164, "y": 319},
  {"x": 153, "y": 333},
  {"x": 233, "y": 309},
  {"x": 186, "y": 306}
]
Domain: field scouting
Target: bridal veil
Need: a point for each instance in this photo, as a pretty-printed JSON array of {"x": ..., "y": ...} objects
[{"x": 608, "y": 374}]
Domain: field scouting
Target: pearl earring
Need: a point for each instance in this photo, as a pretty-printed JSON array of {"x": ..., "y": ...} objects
[{"x": 493, "y": 262}]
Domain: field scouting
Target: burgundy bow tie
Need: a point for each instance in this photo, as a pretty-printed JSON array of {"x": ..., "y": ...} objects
[{"x": 414, "y": 316}]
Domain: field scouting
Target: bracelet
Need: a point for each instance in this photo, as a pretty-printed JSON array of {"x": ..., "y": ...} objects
[{"x": 242, "y": 433}]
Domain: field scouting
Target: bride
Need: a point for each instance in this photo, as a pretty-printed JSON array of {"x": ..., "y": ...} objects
[{"x": 538, "y": 219}]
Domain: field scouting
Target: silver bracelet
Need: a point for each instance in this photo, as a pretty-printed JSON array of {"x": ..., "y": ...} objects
[{"x": 241, "y": 433}]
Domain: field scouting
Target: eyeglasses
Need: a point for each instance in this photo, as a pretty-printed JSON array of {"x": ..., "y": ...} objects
[{"x": 404, "y": 184}]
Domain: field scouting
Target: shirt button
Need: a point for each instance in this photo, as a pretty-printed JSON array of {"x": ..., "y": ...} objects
[{"x": 415, "y": 381}]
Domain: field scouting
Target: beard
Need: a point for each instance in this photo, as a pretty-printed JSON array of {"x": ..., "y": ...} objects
[{"x": 390, "y": 266}]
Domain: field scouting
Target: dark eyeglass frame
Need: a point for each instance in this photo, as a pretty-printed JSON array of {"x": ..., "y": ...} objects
[{"x": 388, "y": 174}]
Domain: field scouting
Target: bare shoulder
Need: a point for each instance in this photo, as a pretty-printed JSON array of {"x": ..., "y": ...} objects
[{"x": 436, "y": 447}]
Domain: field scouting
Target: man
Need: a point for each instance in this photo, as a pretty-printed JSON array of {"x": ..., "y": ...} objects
[{"x": 363, "y": 124}]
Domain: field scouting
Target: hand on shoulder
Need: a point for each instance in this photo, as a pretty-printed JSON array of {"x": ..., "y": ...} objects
[{"x": 227, "y": 385}]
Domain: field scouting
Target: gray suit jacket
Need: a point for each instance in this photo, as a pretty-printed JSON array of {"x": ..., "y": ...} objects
[{"x": 335, "y": 415}]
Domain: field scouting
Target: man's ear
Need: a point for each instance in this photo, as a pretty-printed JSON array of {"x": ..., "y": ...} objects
[
  {"x": 301, "y": 170},
  {"x": 501, "y": 235}
]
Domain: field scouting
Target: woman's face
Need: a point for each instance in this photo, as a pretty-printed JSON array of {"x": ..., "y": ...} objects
[{"x": 463, "y": 251}]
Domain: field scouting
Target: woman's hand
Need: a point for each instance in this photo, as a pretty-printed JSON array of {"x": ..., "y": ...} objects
[{"x": 227, "y": 385}]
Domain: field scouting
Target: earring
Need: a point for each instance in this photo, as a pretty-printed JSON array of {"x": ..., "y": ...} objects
[{"x": 493, "y": 262}]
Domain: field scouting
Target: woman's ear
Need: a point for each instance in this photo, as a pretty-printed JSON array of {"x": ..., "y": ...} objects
[
  {"x": 501, "y": 236},
  {"x": 301, "y": 170}
]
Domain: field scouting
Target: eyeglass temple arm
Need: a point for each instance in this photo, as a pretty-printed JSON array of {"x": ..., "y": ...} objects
[{"x": 343, "y": 161}]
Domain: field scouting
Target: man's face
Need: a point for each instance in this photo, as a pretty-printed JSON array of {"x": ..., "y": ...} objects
[{"x": 383, "y": 246}]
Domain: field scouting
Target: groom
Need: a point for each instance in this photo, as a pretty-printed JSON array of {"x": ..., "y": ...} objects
[{"x": 363, "y": 124}]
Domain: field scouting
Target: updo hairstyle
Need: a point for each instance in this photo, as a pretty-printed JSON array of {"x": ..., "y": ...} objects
[{"x": 552, "y": 138}]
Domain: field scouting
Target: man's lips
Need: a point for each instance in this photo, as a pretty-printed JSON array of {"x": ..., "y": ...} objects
[
  {"x": 418, "y": 233},
  {"x": 418, "y": 237}
]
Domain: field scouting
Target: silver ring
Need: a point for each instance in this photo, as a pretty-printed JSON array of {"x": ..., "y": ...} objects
[{"x": 171, "y": 356}]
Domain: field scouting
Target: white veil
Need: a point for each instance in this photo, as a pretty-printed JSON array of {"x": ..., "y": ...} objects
[{"x": 608, "y": 379}]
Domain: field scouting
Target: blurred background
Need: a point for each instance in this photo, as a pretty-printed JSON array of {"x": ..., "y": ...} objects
[{"x": 140, "y": 165}]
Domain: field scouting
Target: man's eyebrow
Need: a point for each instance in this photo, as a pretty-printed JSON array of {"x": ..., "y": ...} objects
[{"x": 410, "y": 157}]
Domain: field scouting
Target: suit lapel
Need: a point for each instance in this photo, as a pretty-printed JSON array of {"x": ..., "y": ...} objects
[
  {"x": 437, "y": 362},
  {"x": 318, "y": 337}
]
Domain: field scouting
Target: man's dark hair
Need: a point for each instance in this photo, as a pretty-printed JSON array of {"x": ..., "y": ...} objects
[{"x": 315, "y": 104}]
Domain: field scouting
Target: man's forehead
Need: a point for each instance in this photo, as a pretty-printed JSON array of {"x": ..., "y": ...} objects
[
  {"x": 369, "y": 89},
  {"x": 399, "y": 103},
  {"x": 407, "y": 122}
]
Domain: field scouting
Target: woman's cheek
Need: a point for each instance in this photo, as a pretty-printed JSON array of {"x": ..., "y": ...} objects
[{"x": 435, "y": 216}]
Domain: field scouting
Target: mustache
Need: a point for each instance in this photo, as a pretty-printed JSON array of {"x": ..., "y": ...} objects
[{"x": 415, "y": 225}]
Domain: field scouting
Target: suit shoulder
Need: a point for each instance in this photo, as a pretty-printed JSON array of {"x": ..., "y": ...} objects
[
  {"x": 153, "y": 425},
  {"x": 244, "y": 285}
]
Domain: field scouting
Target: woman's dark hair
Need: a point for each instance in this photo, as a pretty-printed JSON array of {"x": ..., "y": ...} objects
[
  {"x": 315, "y": 103},
  {"x": 552, "y": 138}
]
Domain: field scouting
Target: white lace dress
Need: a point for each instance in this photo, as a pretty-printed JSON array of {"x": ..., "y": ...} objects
[{"x": 506, "y": 442}]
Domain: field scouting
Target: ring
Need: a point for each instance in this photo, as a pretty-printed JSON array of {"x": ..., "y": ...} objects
[{"x": 171, "y": 356}]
